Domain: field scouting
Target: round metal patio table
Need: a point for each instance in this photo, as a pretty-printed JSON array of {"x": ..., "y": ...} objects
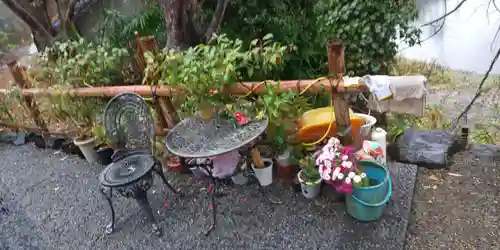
[{"x": 195, "y": 137}]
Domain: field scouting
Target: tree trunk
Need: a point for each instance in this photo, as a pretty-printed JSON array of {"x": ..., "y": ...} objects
[
  {"x": 182, "y": 29},
  {"x": 175, "y": 23},
  {"x": 36, "y": 18}
]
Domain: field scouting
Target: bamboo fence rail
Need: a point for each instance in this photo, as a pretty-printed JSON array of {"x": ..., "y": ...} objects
[{"x": 165, "y": 111}]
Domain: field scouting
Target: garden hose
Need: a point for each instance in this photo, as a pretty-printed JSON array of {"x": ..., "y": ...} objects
[{"x": 300, "y": 93}]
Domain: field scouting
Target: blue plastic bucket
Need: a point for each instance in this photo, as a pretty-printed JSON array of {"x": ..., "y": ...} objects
[
  {"x": 368, "y": 203},
  {"x": 378, "y": 173}
]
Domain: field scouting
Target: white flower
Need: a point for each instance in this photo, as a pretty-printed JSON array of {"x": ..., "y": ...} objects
[
  {"x": 328, "y": 164},
  {"x": 348, "y": 180},
  {"x": 336, "y": 170},
  {"x": 357, "y": 179},
  {"x": 351, "y": 175},
  {"x": 340, "y": 176},
  {"x": 334, "y": 175},
  {"x": 326, "y": 177},
  {"x": 363, "y": 175},
  {"x": 345, "y": 157},
  {"x": 327, "y": 170},
  {"x": 333, "y": 141}
]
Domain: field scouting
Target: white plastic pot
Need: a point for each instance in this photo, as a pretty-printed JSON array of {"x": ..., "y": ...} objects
[
  {"x": 309, "y": 189},
  {"x": 264, "y": 175},
  {"x": 87, "y": 149},
  {"x": 366, "y": 128}
]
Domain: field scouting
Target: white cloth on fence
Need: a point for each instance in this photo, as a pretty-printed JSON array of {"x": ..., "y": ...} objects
[
  {"x": 408, "y": 96},
  {"x": 379, "y": 86}
]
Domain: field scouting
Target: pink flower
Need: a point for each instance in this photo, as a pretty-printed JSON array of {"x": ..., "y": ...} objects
[
  {"x": 344, "y": 188},
  {"x": 238, "y": 115},
  {"x": 345, "y": 157},
  {"x": 242, "y": 120},
  {"x": 347, "y": 164}
]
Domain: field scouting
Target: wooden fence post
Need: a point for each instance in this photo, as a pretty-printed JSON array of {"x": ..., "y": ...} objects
[
  {"x": 20, "y": 80},
  {"x": 165, "y": 111},
  {"x": 336, "y": 68}
]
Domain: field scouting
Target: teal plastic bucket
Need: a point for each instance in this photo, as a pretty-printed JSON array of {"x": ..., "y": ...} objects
[
  {"x": 368, "y": 203},
  {"x": 380, "y": 175}
]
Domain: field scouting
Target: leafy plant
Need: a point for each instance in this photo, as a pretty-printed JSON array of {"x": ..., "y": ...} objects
[
  {"x": 281, "y": 109},
  {"x": 309, "y": 169},
  {"x": 81, "y": 63},
  {"x": 369, "y": 30},
  {"x": 119, "y": 29},
  {"x": 203, "y": 72}
]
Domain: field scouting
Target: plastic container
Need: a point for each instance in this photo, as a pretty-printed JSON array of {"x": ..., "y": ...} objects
[
  {"x": 286, "y": 170},
  {"x": 105, "y": 155},
  {"x": 367, "y": 211},
  {"x": 377, "y": 173},
  {"x": 87, "y": 149},
  {"x": 380, "y": 136},
  {"x": 264, "y": 175},
  {"x": 366, "y": 128},
  {"x": 310, "y": 190},
  {"x": 314, "y": 124}
]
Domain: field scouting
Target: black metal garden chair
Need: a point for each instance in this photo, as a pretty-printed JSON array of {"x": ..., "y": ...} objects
[{"x": 129, "y": 126}]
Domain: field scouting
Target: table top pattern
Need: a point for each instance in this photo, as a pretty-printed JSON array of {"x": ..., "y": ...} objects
[{"x": 195, "y": 137}]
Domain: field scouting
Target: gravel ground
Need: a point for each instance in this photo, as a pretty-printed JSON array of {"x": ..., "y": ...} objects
[
  {"x": 458, "y": 208},
  {"x": 53, "y": 203}
]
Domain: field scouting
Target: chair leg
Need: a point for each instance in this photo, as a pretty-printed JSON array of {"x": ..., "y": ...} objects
[
  {"x": 159, "y": 171},
  {"x": 142, "y": 198},
  {"x": 108, "y": 194}
]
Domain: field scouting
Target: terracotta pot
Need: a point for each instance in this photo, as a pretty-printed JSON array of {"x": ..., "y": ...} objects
[
  {"x": 173, "y": 164},
  {"x": 206, "y": 113}
]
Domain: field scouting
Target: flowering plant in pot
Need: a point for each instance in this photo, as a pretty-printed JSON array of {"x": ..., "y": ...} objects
[
  {"x": 337, "y": 167},
  {"x": 309, "y": 177}
]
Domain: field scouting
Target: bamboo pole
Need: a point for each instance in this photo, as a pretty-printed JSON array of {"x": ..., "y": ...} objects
[
  {"x": 142, "y": 47},
  {"x": 144, "y": 90},
  {"x": 336, "y": 67}
]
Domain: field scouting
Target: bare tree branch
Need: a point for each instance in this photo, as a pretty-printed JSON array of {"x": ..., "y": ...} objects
[
  {"x": 216, "y": 19},
  {"x": 70, "y": 12},
  {"x": 445, "y": 15},
  {"x": 479, "y": 88},
  {"x": 28, "y": 18}
]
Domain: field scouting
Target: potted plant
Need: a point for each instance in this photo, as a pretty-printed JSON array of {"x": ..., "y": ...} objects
[
  {"x": 173, "y": 163},
  {"x": 104, "y": 151},
  {"x": 82, "y": 113},
  {"x": 309, "y": 177},
  {"x": 262, "y": 167}
]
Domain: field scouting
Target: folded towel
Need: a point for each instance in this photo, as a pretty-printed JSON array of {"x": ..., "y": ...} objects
[
  {"x": 406, "y": 87},
  {"x": 408, "y": 96}
]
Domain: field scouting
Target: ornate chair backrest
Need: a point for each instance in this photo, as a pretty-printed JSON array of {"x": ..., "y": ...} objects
[{"x": 128, "y": 123}]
